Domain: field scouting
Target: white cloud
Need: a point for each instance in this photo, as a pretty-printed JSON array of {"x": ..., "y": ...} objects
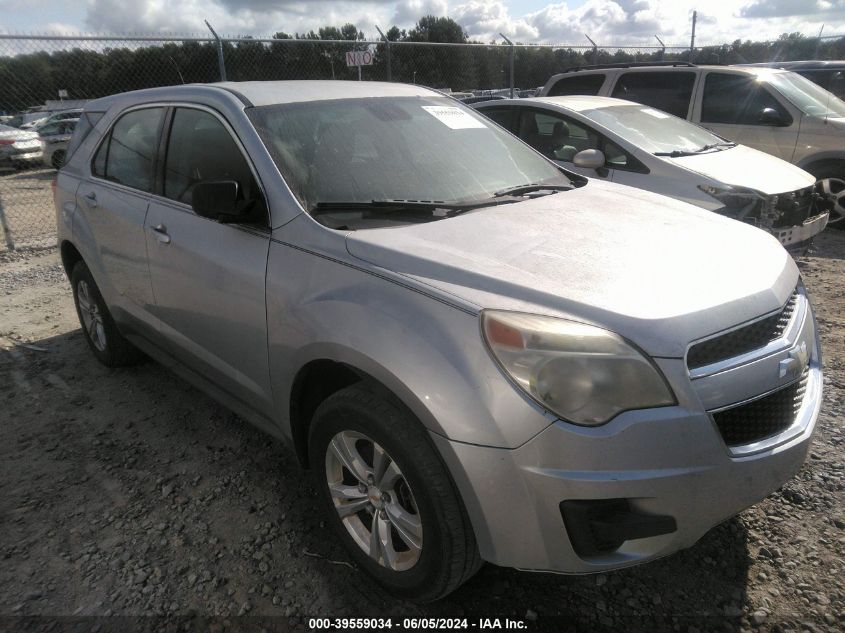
[{"x": 608, "y": 22}]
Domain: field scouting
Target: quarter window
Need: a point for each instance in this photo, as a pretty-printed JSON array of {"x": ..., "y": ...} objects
[
  {"x": 736, "y": 99},
  {"x": 127, "y": 155},
  {"x": 201, "y": 149},
  {"x": 667, "y": 91},
  {"x": 577, "y": 85}
]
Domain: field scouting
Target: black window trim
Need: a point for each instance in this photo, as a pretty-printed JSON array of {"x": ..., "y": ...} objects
[{"x": 159, "y": 158}]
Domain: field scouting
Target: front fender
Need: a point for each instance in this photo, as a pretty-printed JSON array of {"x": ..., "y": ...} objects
[{"x": 428, "y": 353}]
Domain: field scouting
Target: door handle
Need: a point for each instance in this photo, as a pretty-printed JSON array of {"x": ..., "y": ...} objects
[
  {"x": 160, "y": 232},
  {"x": 92, "y": 199}
]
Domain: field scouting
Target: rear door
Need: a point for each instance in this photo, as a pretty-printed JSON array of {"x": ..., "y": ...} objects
[
  {"x": 208, "y": 277},
  {"x": 113, "y": 202},
  {"x": 732, "y": 105}
]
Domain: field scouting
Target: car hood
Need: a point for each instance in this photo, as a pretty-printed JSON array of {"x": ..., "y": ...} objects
[
  {"x": 743, "y": 166},
  {"x": 657, "y": 271}
]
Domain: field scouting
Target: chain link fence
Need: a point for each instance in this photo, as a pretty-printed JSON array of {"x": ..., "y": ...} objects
[{"x": 42, "y": 75}]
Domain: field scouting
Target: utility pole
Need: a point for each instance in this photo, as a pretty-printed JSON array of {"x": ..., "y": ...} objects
[
  {"x": 387, "y": 45},
  {"x": 220, "y": 62},
  {"x": 595, "y": 50},
  {"x": 510, "y": 62},
  {"x": 662, "y": 49},
  {"x": 692, "y": 40}
]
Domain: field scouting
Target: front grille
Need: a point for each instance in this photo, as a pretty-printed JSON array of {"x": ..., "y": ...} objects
[
  {"x": 793, "y": 209},
  {"x": 745, "y": 339},
  {"x": 764, "y": 417}
]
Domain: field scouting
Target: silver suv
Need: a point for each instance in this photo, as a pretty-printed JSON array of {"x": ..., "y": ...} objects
[
  {"x": 772, "y": 110},
  {"x": 478, "y": 355}
]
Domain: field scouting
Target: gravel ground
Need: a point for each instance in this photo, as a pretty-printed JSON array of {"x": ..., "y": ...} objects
[{"x": 127, "y": 492}]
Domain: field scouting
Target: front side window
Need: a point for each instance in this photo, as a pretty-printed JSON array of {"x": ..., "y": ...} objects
[
  {"x": 555, "y": 136},
  {"x": 577, "y": 85},
  {"x": 421, "y": 148},
  {"x": 667, "y": 91},
  {"x": 736, "y": 99},
  {"x": 201, "y": 149},
  {"x": 127, "y": 154}
]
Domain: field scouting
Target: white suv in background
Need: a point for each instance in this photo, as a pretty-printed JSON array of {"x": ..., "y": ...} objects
[
  {"x": 637, "y": 145},
  {"x": 773, "y": 110}
]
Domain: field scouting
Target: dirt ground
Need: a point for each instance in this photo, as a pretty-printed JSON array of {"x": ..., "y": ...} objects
[{"x": 129, "y": 493}]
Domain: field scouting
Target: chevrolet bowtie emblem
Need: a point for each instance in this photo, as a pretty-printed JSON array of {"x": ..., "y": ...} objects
[{"x": 793, "y": 366}]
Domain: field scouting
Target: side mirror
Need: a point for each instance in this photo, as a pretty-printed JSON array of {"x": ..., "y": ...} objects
[
  {"x": 217, "y": 200},
  {"x": 589, "y": 159},
  {"x": 770, "y": 116}
]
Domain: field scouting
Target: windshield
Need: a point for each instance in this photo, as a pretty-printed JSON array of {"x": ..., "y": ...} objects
[
  {"x": 395, "y": 148},
  {"x": 808, "y": 97},
  {"x": 652, "y": 130}
]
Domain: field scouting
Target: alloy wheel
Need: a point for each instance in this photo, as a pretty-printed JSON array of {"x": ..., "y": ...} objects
[
  {"x": 92, "y": 319},
  {"x": 374, "y": 500},
  {"x": 834, "y": 189}
]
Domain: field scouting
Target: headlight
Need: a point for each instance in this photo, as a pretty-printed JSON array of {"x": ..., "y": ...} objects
[
  {"x": 737, "y": 200},
  {"x": 584, "y": 374}
]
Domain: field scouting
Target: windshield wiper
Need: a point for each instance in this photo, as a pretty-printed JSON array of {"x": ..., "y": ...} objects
[
  {"x": 530, "y": 187},
  {"x": 404, "y": 207},
  {"x": 677, "y": 153}
]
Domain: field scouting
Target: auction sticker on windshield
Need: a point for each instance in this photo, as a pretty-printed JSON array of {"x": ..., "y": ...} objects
[{"x": 453, "y": 117}]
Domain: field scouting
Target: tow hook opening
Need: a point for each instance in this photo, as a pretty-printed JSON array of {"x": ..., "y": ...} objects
[{"x": 600, "y": 526}]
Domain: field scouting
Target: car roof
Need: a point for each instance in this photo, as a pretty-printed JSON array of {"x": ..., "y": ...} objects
[
  {"x": 576, "y": 103},
  {"x": 801, "y": 65},
  {"x": 262, "y": 93}
]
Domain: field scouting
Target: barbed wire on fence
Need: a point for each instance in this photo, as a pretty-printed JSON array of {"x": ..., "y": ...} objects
[{"x": 36, "y": 69}]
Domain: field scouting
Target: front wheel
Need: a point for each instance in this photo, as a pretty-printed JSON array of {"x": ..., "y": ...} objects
[
  {"x": 830, "y": 178},
  {"x": 389, "y": 497}
]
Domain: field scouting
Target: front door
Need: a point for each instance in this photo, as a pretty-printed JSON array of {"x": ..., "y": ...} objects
[
  {"x": 208, "y": 277},
  {"x": 744, "y": 110}
]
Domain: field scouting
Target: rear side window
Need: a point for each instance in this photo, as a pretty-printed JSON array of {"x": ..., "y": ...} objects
[
  {"x": 201, "y": 149},
  {"x": 667, "y": 91},
  {"x": 736, "y": 99},
  {"x": 127, "y": 155},
  {"x": 577, "y": 85}
]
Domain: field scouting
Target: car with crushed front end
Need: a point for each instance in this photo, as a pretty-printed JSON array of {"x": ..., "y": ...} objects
[
  {"x": 478, "y": 355},
  {"x": 637, "y": 145}
]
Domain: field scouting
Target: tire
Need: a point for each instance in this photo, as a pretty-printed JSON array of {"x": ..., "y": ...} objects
[
  {"x": 831, "y": 176},
  {"x": 415, "y": 495},
  {"x": 98, "y": 327},
  {"x": 57, "y": 160}
]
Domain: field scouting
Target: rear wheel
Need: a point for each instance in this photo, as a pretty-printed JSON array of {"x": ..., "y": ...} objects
[
  {"x": 98, "y": 327},
  {"x": 389, "y": 497}
]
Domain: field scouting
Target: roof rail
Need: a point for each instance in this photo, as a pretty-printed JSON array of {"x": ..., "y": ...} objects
[{"x": 626, "y": 65}]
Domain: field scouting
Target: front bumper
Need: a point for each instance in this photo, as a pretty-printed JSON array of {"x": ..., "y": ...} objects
[
  {"x": 669, "y": 462},
  {"x": 797, "y": 237}
]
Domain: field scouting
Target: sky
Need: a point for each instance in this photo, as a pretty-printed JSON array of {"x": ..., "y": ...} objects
[{"x": 608, "y": 22}]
